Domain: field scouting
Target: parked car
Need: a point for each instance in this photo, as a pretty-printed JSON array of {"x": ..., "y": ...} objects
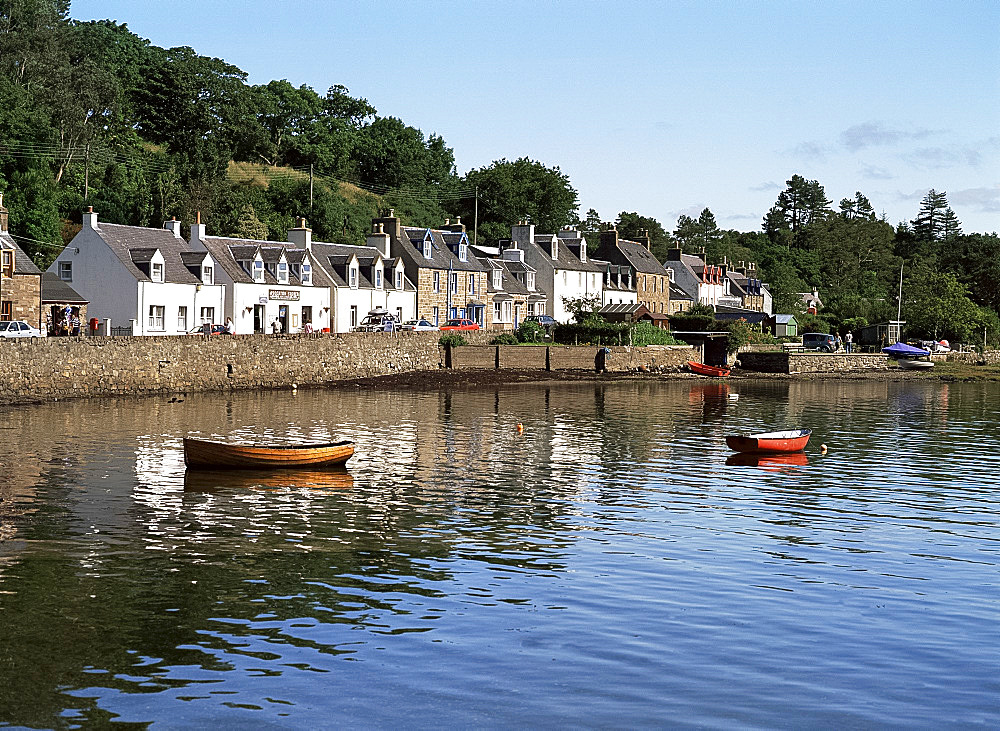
[
  {"x": 418, "y": 325},
  {"x": 377, "y": 321},
  {"x": 216, "y": 330},
  {"x": 546, "y": 321},
  {"x": 819, "y": 341},
  {"x": 19, "y": 329},
  {"x": 460, "y": 324}
]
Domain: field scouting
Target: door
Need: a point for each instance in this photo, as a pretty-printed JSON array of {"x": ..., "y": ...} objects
[
  {"x": 258, "y": 318},
  {"x": 283, "y": 317}
]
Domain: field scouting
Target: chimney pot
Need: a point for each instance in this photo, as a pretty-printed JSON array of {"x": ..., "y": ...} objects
[
  {"x": 90, "y": 209},
  {"x": 197, "y": 217}
]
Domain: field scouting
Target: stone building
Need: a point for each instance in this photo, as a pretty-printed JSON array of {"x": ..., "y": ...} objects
[
  {"x": 20, "y": 279},
  {"x": 651, "y": 280},
  {"x": 450, "y": 281}
]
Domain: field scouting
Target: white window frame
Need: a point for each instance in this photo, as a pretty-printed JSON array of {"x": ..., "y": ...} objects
[
  {"x": 437, "y": 282},
  {"x": 378, "y": 277},
  {"x": 282, "y": 272},
  {"x": 453, "y": 282},
  {"x": 207, "y": 275},
  {"x": 182, "y": 318},
  {"x": 156, "y": 315},
  {"x": 65, "y": 271},
  {"x": 530, "y": 281},
  {"x": 463, "y": 252},
  {"x": 472, "y": 283},
  {"x": 435, "y": 313},
  {"x": 354, "y": 316},
  {"x": 206, "y": 315},
  {"x": 497, "y": 311},
  {"x": 258, "y": 270},
  {"x": 156, "y": 271},
  {"x": 399, "y": 279},
  {"x": 497, "y": 279},
  {"x": 307, "y": 276},
  {"x": 352, "y": 277},
  {"x": 508, "y": 311}
]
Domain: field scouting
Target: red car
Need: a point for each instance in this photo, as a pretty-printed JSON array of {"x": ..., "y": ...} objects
[{"x": 460, "y": 325}]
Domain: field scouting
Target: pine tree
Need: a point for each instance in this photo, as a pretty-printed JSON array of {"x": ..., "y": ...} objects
[{"x": 929, "y": 223}]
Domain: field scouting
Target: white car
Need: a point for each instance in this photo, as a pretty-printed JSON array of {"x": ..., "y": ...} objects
[
  {"x": 418, "y": 325},
  {"x": 19, "y": 329}
]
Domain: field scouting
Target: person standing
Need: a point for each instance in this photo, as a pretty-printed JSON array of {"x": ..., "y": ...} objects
[
  {"x": 276, "y": 326},
  {"x": 230, "y": 327},
  {"x": 849, "y": 342}
]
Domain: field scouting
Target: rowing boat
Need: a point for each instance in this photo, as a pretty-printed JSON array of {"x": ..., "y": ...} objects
[
  {"x": 792, "y": 440},
  {"x": 707, "y": 370},
  {"x": 913, "y": 364},
  {"x": 221, "y": 455}
]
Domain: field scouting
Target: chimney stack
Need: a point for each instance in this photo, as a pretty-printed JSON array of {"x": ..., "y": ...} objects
[
  {"x": 379, "y": 239},
  {"x": 198, "y": 232},
  {"x": 457, "y": 227},
  {"x": 89, "y": 218},
  {"x": 301, "y": 235},
  {"x": 174, "y": 226},
  {"x": 391, "y": 224}
]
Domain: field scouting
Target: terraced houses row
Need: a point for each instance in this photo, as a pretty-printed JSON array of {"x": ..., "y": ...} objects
[{"x": 152, "y": 281}]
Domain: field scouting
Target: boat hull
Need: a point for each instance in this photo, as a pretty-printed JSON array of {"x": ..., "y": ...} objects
[
  {"x": 911, "y": 364},
  {"x": 203, "y": 454},
  {"x": 770, "y": 442},
  {"x": 707, "y": 370}
]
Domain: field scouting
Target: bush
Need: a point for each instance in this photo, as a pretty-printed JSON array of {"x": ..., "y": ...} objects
[
  {"x": 646, "y": 333},
  {"x": 530, "y": 332},
  {"x": 593, "y": 332},
  {"x": 452, "y": 339},
  {"x": 693, "y": 323},
  {"x": 505, "y": 339}
]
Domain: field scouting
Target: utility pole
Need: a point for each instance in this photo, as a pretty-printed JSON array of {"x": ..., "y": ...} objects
[
  {"x": 310, "y": 189},
  {"x": 86, "y": 173},
  {"x": 475, "y": 220}
]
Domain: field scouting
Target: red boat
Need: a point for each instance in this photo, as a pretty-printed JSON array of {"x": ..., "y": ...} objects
[
  {"x": 707, "y": 370},
  {"x": 793, "y": 440}
]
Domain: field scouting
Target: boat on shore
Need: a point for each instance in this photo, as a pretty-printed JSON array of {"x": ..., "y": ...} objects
[
  {"x": 914, "y": 364},
  {"x": 790, "y": 440},
  {"x": 203, "y": 454},
  {"x": 707, "y": 370}
]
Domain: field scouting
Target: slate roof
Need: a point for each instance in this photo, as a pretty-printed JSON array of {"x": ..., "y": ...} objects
[
  {"x": 676, "y": 293},
  {"x": 55, "y": 290},
  {"x": 565, "y": 258},
  {"x": 123, "y": 240},
  {"x": 22, "y": 262},
  {"x": 412, "y": 250},
  {"x": 750, "y": 316},
  {"x": 333, "y": 257},
  {"x": 228, "y": 251},
  {"x": 509, "y": 283},
  {"x": 641, "y": 259}
]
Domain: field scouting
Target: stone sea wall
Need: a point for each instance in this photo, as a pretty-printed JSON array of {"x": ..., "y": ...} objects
[
  {"x": 615, "y": 359},
  {"x": 811, "y": 362},
  {"x": 51, "y": 368}
]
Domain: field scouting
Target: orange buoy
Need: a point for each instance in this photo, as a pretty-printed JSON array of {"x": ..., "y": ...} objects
[{"x": 520, "y": 428}]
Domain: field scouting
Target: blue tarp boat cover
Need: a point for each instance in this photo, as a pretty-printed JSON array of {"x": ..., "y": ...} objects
[{"x": 903, "y": 350}]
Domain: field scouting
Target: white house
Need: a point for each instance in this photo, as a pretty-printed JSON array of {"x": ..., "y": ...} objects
[
  {"x": 365, "y": 278},
  {"x": 562, "y": 269},
  {"x": 147, "y": 279},
  {"x": 269, "y": 280}
]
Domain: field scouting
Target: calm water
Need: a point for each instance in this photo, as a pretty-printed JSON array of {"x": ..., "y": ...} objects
[{"x": 604, "y": 568}]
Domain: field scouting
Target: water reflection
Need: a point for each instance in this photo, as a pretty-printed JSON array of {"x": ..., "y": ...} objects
[{"x": 612, "y": 553}]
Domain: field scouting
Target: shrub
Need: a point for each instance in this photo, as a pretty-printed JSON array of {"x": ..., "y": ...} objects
[
  {"x": 505, "y": 339},
  {"x": 594, "y": 332},
  {"x": 646, "y": 333},
  {"x": 452, "y": 339},
  {"x": 530, "y": 332}
]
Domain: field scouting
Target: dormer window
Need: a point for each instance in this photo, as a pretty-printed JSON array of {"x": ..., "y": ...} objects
[
  {"x": 307, "y": 273},
  {"x": 497, "y": 279},
  {"x": 156, "y": 272},
  {"x": 427, "y": 249},
  {"x": 530, "y": 281},
  {"x": 463, "y": 251},
  {"x": 670, "y": 274},
  {"x": 352, "y": 279},
  {"x": 258, "y": 270},
  {"x": 206, "y": 275},
  {"x": 377, "y": 271},
  {"x": 283, "y": 272},
  {"x": 399, "y": 279}
]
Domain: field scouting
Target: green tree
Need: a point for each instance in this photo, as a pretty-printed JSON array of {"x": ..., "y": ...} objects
[
  {"x": 937, "y": 305},
  {"x": 510, "y": 191},
  {"x": 632, "y": 225},
  {"x": 582, "y": 308},
  {"x": 801, "y": 203},
  {"x": 857, "y": 207}
]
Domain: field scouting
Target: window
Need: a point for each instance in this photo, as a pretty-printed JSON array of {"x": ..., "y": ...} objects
[
  {"x": 354, "y": 316},
  {"x": 579, "y": 279},
  {"x": 531, "y": 281},
  {"x": 283, "y": 272},
  {"x": 454, "y": 314},
  {"x": 66, "y": 271},
  {"x": 472, "y": 284},
  {"x": 352, "y": 277},
  {"x": 207, "y": 315},
  {"x": 454, "y": 282},
  {"x": 508, "y": 311},
  {"x": 399, "y": 314},
  {"x": 427, "y": 248},
  {"x": 206, "y": 275},
  {"x": 182, "y": 318},
  {"x": 434, "y": 313},
  {"x": 463, "y": 252},
  {"x": 307, "y": 274},
  {"x": 378, "y": 277},
  {"x": 497, "y": 313},
  {"x": 399, "y": 279},
  {"x": 156, "y": 317},
  {"x": 497, "y": 279},
  {"x": 670, "y": 274},
  {"x": 565, "y": 278},
  {"x": 258, "y": 271},
  {"x": 437, "y": 281},
  {"x": 7, "y": 263},
  {"x": 156, "y": 272}
]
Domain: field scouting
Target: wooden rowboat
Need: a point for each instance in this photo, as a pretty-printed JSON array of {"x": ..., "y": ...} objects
[
  {"x": 913, "y": 364},
  {"x": 792, "y": 440},
  {"x": 707, "y": 370},
  {"x": 220, "y": 455}
]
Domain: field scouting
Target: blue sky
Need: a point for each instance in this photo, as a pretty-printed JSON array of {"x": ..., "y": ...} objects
[{"x": 662, "y": 108}]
